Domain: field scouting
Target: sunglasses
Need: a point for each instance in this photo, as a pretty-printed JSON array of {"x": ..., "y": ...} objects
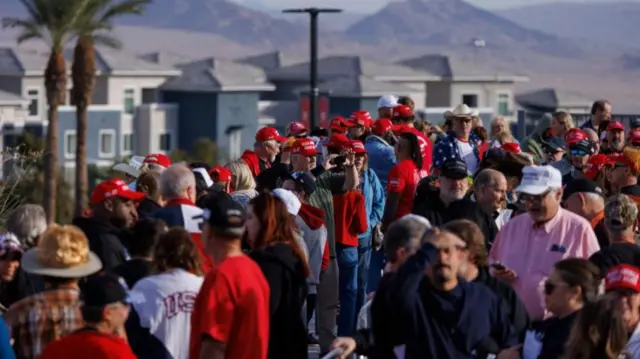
[
  {"x": 549, "y": 287},
  {"x": 578, "y": 153}
]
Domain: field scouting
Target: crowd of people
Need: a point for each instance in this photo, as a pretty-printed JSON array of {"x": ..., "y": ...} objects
[{"x": 403, "y": 239}]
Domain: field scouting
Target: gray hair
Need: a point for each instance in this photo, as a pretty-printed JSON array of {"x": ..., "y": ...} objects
[
  {"x": 593, "y": 197},
  {"x": 175, "y": 180},
  {"x": 406, "y": 232},
  {"x": 27, "y": 222}
]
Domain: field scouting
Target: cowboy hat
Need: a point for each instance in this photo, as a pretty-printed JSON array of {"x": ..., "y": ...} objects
[
  {"x": 461, "y": 111},
  {"x": 63, "y": 252},
  {"x": 132, "y": 168}
]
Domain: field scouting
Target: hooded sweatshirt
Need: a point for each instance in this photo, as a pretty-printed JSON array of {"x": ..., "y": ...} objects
[
  {"x": 310, "y": 221},
  {"x": 284, "y": 273}
]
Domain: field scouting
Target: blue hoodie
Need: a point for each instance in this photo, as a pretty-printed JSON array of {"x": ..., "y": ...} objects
[
  {"x": 382, "y": 157},
  {"x": 374, "y": 200}
]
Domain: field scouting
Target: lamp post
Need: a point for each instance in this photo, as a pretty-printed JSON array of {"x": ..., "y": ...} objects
[{"x": 313, "y": 58}]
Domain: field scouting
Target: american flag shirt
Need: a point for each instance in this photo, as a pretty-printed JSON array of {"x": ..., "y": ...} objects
[{"x": 447, "y": 148}]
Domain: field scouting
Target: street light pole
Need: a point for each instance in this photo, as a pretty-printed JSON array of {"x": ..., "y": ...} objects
[{"x": 313, "y": 58}]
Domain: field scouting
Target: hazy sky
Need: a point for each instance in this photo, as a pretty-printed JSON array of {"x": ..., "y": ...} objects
[{"x": 372, "y": 5}]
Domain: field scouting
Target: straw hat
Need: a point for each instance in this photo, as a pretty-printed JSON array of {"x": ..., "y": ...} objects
[
  {"x": 63, "y": 252},
  {"x": 461, "y": 111}
]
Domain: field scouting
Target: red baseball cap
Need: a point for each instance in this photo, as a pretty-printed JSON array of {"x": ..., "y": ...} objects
[
  {"x": 615, "y": 125},
  {"x": 358, "y": 147},
  {"x": 596, "y": 164},
  {"x": 634, "y": 137},
  {"x": 114, "y": 188},
  {"x": 402, "y": 111},
  {"x": 305, "y": 147},
  {"x": 338, "y": 141},
  {"x": 400, "y": 129},
  {"x": 623, "y": 276},
  {"x": 381, "y": 126},
  {"x": 575, "y": 135},
  {"x": 158, "y": 159},
  {"x": 297, "y": 128},
  {"x": 220, "y": 174},
  {"x": 511, "y": 147},
  {"x": 338, "y": 124},
  {"x": 360, "y": 118},
  {"x": 269, "y": 133}
]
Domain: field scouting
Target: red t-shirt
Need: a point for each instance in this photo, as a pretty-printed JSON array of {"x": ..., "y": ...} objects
[
  {"x": 233, "y": 307},
  {"x": 403, "y": 179},
  {"x": 87, "y": 343}
]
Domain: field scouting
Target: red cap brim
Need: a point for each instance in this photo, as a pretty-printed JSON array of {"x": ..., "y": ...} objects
[{"x": 132, "y": 195}]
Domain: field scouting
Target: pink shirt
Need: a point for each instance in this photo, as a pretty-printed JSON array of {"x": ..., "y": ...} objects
[{"x": 531, "y": 251}]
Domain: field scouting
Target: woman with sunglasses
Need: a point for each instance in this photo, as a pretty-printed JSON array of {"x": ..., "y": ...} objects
[{"x": 572, "y": 283}]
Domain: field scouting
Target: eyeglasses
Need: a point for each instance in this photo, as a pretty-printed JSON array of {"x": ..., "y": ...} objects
[
  {"x": 578, "y": 153},
  {"x": 533, "y": 198},
  {"x": 550, "y": 287}
]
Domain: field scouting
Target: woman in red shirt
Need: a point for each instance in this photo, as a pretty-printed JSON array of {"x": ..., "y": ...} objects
[{"x": 403, "y": 178}]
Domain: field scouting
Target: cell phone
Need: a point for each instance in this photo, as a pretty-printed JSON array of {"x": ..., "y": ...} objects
[{"x": 498, "y": 266}]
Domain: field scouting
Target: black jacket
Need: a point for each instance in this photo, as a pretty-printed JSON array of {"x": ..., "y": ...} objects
[
  {"x": 428, "y": 205},
  {"x": 105, "y": 241},
  {"x": 147, "y": 207},
  {"x": 23, "y": 285},
  {"x": 285, "y": 275},
  {"x": 511, "y": 302}
]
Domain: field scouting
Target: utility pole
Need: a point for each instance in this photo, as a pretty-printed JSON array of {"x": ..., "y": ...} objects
[{"x": 313, "y": 57}]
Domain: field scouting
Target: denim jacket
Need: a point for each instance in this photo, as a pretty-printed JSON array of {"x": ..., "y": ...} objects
[
  {"x": 381, "y": 158},
  {"x": 374, "y": 200}
]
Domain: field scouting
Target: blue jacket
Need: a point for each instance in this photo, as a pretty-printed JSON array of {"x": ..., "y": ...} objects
[
  {"x": 374, "y": 200},
  {"x": 6, "y": 352},
  {"x": 382, "y": 157},
  {"x": 482, "y": 325}
]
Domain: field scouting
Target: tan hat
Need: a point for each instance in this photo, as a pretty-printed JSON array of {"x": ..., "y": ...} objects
[
  {"x": 63, "y": 252},
  {"x": 461, "y": 111},
  {"x": 620, "y": 212}
]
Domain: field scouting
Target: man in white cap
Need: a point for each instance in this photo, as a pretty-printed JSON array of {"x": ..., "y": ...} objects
[
  {"x": 528, "y": 246},
  {"x": 386, "y": 104}
]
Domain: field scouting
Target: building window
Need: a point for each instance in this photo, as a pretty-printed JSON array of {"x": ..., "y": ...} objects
[
  {"x": 70, "y": 143},
  {"x": 127, "y": 142},
  {"x": 165, "y": 142},
  {"x": 107, "y": 143},
  {"x": 129, "y": 101},
  {"x": 503, "y": 104},
  {"x": 470, "y": 100},
  {"x": 235, "y": 142},
  {"x": 34, "y": 102}
]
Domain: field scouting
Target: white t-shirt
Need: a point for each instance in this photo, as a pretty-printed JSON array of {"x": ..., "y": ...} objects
[
  {"x": 167, "y": 301},
  {"x": 467, "y": 155}
]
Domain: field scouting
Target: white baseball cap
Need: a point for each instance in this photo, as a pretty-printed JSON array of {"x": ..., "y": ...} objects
[
  {"x": 290, "y": 200},
  {"x": 537, "y": 180},
  {"x": 388, "y": 101}
]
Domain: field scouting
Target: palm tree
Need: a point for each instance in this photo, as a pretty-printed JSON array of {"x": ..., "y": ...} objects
[
  {"x": 51, "y": 21},
  {"x": 94, "y": 27}
]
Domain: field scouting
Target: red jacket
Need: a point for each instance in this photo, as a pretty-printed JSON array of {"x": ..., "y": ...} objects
[
  {"x": 350, "y": 217},
  {"x": 252, "y": 160}
]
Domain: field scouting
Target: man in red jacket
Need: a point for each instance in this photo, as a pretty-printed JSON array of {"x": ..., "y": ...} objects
[
  {"x": 350, "y": 219},
  {"x": 266, "y": 148}
]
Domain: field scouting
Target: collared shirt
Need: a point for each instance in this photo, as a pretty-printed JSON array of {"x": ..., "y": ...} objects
[
  {"x": 531, "y": 251},
  {"x": 38, "y": 320},
  {"x": 501, "y": 216}
]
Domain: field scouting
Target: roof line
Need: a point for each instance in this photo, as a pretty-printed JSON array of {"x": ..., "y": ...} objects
[{"x": 14, "y": 56}]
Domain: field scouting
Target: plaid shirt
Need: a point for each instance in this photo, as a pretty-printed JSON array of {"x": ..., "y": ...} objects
[{"x": 37, "y": 320}]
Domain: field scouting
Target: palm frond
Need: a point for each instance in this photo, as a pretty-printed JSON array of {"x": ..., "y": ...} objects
[
  {"x": 107, "y": 40},
  {"x": 27, "y": 35},
  {"x": 127, "y": 7}
]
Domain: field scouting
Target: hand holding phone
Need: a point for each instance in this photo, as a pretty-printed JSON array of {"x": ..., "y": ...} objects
[
  {"x": 501, "y": 271},
  {"x": 498, "y": 266}
]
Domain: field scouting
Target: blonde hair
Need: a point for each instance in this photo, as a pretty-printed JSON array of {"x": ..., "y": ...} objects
[
  {"x": 241, "y": 177},
  {"x": 505, "y": 137},
  {"x": 63, "y": 247},
  {"x": 493, "y": 135},
  {"x": 565, "y": 119}
]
